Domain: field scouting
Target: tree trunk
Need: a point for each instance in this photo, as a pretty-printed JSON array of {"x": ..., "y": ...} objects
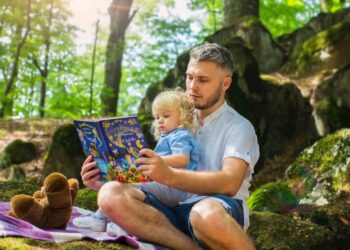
[
  {"x": 44, "y": 72},
  {"x": 234, "y": 9},
  {"x": 93, "y": 68},
  {"x": 119, "y": 12},
  {"x": 7, "y": 102}
]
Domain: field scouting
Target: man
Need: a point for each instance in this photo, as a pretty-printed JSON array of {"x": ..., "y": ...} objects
[{"x": 215, "y": 212}]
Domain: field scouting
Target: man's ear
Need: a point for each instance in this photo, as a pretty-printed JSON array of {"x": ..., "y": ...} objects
[{"x": 227, "y": 82}]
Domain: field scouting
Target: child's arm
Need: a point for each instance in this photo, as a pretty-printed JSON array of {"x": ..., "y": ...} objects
[{"x": 177, "y": 160}]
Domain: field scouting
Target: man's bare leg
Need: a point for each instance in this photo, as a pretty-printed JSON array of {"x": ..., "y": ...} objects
[
  {"x": 216, "y": 228},
  {"x": 124, "y": 205}
]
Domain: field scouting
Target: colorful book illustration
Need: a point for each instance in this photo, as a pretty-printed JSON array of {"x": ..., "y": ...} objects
[{"x": 114, "y": 144}]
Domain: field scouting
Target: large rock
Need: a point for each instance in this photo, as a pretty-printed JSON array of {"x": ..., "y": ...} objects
[
  {"x": 18, "y": 152},
  {"x": 331, "y": 102},
  {"x": 65, "y": 153},
  {"x": 320, "y": 54},
  {"x": 321, "y": 173},
  {"x": 336, "y": 217},
  {"x": 266, "y": 51},
  {"x": 291, "y": 43},
  {"x": 273, "y": 231}
]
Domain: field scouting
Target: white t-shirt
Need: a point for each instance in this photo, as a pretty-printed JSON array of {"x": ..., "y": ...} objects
[{"x": 225, "y": 133}]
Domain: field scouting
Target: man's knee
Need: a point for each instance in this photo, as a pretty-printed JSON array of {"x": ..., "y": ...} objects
[
  {"x": 207, "y": 214},
  {"x": 109, "y": 193}
]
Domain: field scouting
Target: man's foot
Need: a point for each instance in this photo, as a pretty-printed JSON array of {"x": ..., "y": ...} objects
[
  {"x": 115, "y": 229},
  {"x": 92, "y": 222}
]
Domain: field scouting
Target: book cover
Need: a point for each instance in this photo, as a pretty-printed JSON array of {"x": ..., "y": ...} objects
[{"x": 114, "y": 144}]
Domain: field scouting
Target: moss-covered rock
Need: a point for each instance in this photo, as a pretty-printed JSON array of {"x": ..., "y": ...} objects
[
  {"x": 65, "y": 154},
  {"x": 14, "y": 172},
  {"x": 291, "y": 43},
  {"x": 322, "y": 171},
  {"x": 273, "y": 197},
  {"x": 331, "y": 102},
  {"x": 325, "y": 50},
  {"x": 8, "y": 189},
  {"x": 271, "y": 231},
  {"x": 19, "y": 151},
  {"x": 87, "y": 199},
  {"x": 256, "y": 37}
]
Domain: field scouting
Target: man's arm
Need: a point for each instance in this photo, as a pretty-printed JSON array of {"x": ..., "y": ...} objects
[{"x": 227, "y": 181}]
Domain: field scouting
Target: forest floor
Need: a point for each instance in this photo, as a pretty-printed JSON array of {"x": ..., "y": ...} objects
[{"x": 38, "y": 131}]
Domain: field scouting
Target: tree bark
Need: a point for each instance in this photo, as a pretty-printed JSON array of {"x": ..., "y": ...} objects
[
  {"x": 119, "y": 12},
  {"x": 44, "y": 72},
  {"x": 93, "y": 68},
  {"x": 235, "y": 9},
  {"x": 7, "y": 102}
]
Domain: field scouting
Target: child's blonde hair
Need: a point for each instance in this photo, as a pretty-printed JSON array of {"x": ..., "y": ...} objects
[{"x": 174, "y": 99}]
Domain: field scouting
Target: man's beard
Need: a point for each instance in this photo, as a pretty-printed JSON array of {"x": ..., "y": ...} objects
[{"x": 211, "y": 101}]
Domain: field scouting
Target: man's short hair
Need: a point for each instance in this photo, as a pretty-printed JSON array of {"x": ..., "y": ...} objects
[{"x": 215, "y": 53}]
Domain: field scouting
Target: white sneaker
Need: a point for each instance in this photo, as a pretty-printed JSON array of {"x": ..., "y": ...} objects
[
  {"x": 115, "y": 229},
  {"x": 92, "y": 222}
]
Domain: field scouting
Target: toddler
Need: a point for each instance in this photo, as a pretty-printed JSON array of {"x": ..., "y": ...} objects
[{"x": 173, "y": 128}]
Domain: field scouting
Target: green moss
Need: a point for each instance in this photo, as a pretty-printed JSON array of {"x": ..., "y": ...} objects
[
  {"x": 325, "y": 164},
  {"x": 11, "y": 243},
  {"x": 19, "y": 151},
  {"x": 273, "y": 231},
  {"x": 3, "y": 132},
  {"x": 87, "y": 199},
  {"x": 65, "y": 154},
  {"x": 8, "y": 189},
  {"x": 272, "y": 197},
  {"x": 15, "y": 172},
  {"x": 247, "y": 22},
  {"x": 309, "y": 55},
  {"x": 65, "y": 137}
]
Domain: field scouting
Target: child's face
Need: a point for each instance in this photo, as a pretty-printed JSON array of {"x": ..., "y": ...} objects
[{"x": 167, "y": 120}]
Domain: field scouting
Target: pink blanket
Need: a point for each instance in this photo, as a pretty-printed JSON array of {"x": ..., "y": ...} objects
[{"x": 10, "y": 226}]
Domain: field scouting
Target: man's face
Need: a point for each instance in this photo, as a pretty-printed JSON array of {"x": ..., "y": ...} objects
[{"x": 206, "y": 84}]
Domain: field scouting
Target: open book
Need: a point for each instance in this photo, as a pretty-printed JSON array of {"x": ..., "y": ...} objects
[{"x": 114, "y": 144}]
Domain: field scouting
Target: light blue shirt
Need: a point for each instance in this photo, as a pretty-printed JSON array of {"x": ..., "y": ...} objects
[{"x": 179, "y": 141}]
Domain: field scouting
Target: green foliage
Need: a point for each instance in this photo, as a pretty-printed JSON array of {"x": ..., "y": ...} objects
[
  {"x": 282, "y": 17},
  {"x": 152, "y": 48},
  {"x": 213, "y": 12},
  {"x": 272, "y": 197},
  {"x": 155, "y": 38}
]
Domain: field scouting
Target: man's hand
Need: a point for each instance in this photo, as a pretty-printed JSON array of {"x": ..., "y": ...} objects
[
  {"x": 153, "y": 166},
  {"x": 90, "y": 174}
]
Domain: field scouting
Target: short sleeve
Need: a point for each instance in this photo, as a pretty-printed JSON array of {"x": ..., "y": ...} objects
[
  {"x": 242, "y": 143},
  {"x": 181, "y": 142}
]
